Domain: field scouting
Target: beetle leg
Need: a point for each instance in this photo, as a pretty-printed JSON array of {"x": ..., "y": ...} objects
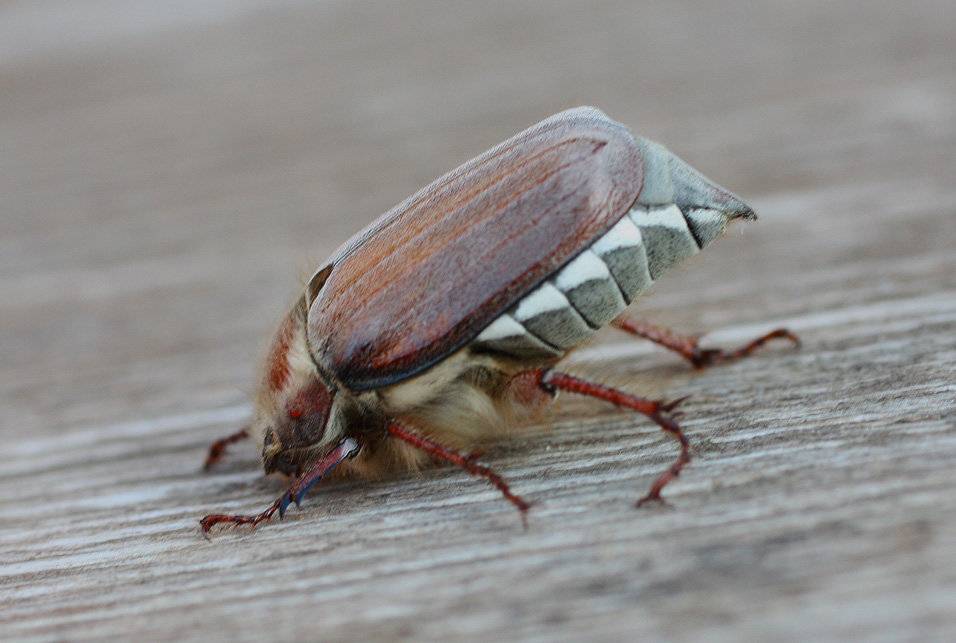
[
  {"x": 347, "y": 448},
  {"x": 688, "y": 345},
  {"x": 218, "y": 448},
  {"x": 657, "y": 410},
  {"x": 466, "y": 462},
  {"x": 211, "y": 520}
]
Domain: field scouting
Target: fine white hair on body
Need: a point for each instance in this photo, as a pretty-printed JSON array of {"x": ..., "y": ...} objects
[
  {"x": 448, "y": 405},
  {"x": 705, "y": 224},
  {"x": 589, "y": 286},
  {"x": 602, "y": 280},
  {"x": 669, "y": 216},
  {"x": 624, "y": 234},
  {"x": 544, "y": 299},
  {"x": 507, "y": 336},
  {"x": 299, "y": 368},
  {"x": 504, "y": 326},
  {"x": 667, "y": 238},
  {"x": 587, "y": 266},
  {"x": 622, "y": 249}
]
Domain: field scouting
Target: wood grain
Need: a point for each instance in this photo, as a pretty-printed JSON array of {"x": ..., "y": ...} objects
[{"x": 165, "y": 177}]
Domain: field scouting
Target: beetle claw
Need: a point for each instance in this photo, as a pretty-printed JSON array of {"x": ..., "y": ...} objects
[
  {"x": 210, "y": 521},
  {"x": 292, "y": 496},
  {"x": 702, "y": 358},
  {"x": 652, "y": 497},
  {"x": 284, "y": 503},
  {"x": 667, "y": 407}
]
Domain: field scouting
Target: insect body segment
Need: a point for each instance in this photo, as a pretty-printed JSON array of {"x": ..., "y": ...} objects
[
  {"x": 596, "y": 286},
  {"x": 622, "y": 250},
  {"x": 668, "y": 240}
]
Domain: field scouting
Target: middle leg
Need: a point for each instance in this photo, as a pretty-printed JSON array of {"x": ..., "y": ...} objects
[{"x": 466, "y": 462}]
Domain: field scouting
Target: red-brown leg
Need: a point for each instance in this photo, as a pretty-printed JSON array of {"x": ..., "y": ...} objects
[
  {"x": 208, "y": 522},
  {"x": 218, "y": 448},
  {"x": 347, "y": 448},
  {"x": 687, "y": 345},
  {"x": 657, "y": 410},
  {"x": 466, "y": 462}
]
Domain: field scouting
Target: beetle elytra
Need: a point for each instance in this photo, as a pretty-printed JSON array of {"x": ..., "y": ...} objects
[{"x": 441, "y": 323}]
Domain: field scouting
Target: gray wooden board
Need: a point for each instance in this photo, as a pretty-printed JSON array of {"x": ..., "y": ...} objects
[{"x": 166, "y": 177}]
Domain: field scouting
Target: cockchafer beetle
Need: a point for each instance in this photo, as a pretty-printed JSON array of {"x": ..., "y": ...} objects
[{"x": 441, "y": 323}]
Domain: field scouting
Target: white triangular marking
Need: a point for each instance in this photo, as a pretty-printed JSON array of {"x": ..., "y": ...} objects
[
  {"x": 544, "y": 299},
  {"x": 504, "y": 326},
  {"x": 587, "y": 266},
  {"x": 623, "y": 235}
]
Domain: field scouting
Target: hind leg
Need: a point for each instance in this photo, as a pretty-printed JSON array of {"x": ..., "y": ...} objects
[{"x": 687, "y": 346}]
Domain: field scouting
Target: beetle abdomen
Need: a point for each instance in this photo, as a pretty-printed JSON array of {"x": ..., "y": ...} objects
[{"x": 598, "y": 284}]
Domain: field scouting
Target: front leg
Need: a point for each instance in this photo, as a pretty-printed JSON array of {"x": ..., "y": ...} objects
[
  {"x": 218, "y": 448},
  {"x": 688, "y": 345},
  {"x": 347, "y": 448},
  {"x": 657, "y": 410}
]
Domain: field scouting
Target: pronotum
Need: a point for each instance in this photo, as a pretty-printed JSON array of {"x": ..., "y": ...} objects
[{"x": 441, "y": 324}]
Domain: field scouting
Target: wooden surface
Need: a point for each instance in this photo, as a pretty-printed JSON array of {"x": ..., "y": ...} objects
[{"x": 168, "y": 173}]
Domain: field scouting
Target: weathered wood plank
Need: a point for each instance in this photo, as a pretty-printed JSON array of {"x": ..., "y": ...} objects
[{"x": 164, "y": 180}]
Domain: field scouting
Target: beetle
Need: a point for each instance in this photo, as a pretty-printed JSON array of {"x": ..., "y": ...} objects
[{"x": 440, "y": 324}]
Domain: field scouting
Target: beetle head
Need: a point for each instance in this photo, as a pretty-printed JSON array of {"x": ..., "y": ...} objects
[{"x": 298, "y": 416}]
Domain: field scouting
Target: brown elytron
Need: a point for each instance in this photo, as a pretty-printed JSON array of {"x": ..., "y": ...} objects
[{"x": 438, "y": 268}]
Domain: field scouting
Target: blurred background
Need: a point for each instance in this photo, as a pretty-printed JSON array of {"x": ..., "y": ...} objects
[{"x": 171, "y": 171}]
